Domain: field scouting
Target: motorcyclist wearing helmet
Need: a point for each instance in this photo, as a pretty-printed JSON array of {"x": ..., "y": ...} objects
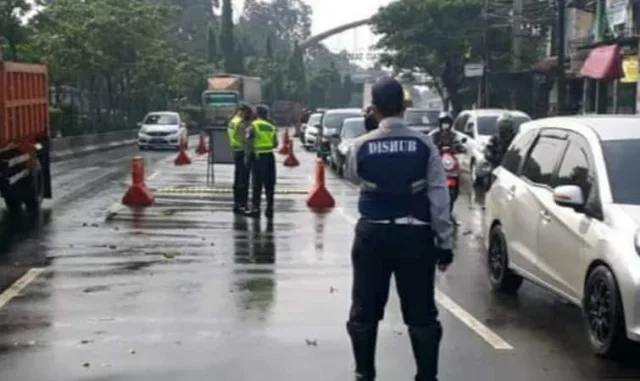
[
  {"x": 499, "y": 143},
  {"x": 444, "y": 136}
]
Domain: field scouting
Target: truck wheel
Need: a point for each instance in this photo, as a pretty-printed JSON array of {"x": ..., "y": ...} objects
[
  {"x": 33, "y": 190},
  {"x": 12, "y": 202}
]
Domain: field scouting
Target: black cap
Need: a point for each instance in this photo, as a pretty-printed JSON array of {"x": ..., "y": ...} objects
[
  {"x": 262, "y": 111},
  {"x": 388, "y": 96}
]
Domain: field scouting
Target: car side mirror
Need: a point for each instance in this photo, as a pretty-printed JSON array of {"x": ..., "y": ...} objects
[
  {"x": 464, "y": 140},
  {"x": 569, "y": 196}
]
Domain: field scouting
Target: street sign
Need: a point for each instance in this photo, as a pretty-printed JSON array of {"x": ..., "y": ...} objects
[{"x": 473, "y": 70}]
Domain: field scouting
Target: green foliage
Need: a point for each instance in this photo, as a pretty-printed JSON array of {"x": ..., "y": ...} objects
[
  {"x": 11, "y": 30},
  {"x": 226, "y": 38},
  {"x": 212, "y": 43}
]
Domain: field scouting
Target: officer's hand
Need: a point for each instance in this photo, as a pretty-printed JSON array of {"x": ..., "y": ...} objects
[{"x": 445, "y": 257}]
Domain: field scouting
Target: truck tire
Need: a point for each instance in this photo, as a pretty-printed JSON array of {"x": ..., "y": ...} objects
[
  {"x": 33, "y": 190},
  {"x": 12, "y": 202}
]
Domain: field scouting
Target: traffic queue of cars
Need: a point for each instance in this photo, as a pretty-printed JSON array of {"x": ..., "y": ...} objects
[{"x": 562, "y": 211}]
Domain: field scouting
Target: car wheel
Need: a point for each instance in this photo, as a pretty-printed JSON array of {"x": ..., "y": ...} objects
[
  {"x": 34, "y": 191},
  {"x": 502, "y": 278},
  {"x": 603, "y": 313},
  {"x": 142, "y": 148}
]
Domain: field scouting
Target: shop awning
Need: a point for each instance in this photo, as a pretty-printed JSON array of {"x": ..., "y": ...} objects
[{"x": 604, "y": 62}]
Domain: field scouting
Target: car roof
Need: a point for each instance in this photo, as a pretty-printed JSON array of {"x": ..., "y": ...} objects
[
  {"x": 355, "y": 119},
  {"x": 343, "y": 110},
  {"x": 496, "y": 112},
  {"x": 316, "y": 114},
  {"x": 606, "y": 127},
  {"x": 163, "y": 113}
]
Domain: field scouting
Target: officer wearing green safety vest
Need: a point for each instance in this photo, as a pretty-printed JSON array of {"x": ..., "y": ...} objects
[
  {"x": 242, "y": 170},
  {"x": 262, "y": 139}
]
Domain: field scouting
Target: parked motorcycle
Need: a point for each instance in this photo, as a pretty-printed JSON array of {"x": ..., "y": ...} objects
[{"x": 449, "y": 156}]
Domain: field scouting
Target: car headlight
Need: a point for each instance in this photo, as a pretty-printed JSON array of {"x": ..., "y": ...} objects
[{"x": 143, "y": 131}]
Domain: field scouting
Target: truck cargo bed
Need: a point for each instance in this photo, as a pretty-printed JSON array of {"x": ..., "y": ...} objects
[{"x": 24, "y": 112}]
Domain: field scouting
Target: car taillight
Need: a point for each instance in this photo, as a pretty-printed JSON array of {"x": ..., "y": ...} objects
[{"x": 448, "y": 162}]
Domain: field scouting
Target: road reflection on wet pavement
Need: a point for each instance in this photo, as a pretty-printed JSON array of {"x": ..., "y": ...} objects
[{"x": 184, "y": 290}]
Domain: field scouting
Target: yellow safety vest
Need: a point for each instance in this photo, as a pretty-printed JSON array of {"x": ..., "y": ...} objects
[
  {"x": 264, "y": 136},
  {"x": 236, "y": 139}
]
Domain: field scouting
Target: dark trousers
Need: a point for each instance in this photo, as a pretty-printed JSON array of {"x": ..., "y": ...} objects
[
  {"x": 407, "y": 252},
  {"x": 241, "y": 173},
  {"x": 263, "y": 176}
]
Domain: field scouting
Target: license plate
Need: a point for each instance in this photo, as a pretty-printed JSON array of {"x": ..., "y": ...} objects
[
  {"x": 158, "y": 141},
  {"x": 452, "y": 182}
]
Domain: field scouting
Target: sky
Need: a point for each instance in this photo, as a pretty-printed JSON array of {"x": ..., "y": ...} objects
[{"x": 331, "y": 13}]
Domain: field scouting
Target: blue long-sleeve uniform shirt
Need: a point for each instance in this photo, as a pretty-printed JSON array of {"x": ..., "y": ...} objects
[{"x": 400, "y": 174}]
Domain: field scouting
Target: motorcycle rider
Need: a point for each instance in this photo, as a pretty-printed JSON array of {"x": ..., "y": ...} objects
[
  {"x": 499, "y": 143},
  {"x": 444, "y": 136}
]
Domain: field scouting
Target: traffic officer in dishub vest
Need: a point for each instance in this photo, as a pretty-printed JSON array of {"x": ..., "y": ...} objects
[
  {"x": 262, "y": 139},
  {"x": 404, "y": 229},
  {"x": 236, "y": 132}
]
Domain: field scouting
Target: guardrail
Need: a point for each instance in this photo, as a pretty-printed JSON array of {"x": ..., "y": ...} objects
[{"x": 62, "y": 148}]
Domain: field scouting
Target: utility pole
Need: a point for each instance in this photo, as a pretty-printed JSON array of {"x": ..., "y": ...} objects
[
  {"x": 487, "y": 55},
  {"x": 516, "y": 46},
  {"x": 561, "y": 81},
  {"x": 517, "y": 34}
]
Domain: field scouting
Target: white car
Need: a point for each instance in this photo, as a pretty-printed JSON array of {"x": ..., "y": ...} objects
[
  {"x": 311, "y": 130},
  {"x": 163, "y": 129},
  {"x": 564, "y": 212},
  {"x": 478, "y": 126}
]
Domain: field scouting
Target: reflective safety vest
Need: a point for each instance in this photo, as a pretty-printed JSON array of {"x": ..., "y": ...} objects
[
  {"x": 236, "y": 138},
  {"x": 264, "y": 140}
]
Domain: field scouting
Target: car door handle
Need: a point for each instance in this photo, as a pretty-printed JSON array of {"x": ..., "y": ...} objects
[{"x": 545, "y": 215}]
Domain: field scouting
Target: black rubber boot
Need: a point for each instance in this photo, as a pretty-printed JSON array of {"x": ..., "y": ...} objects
[
  {"x": 269, "y": 211},
  {"x": 363, "y": 343},
  {"x": 253, "y": 212},
  {"x": 425, "y": 342}
]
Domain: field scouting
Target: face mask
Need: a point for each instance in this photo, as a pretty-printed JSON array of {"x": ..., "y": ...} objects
[{"x": 446, "y": 126}]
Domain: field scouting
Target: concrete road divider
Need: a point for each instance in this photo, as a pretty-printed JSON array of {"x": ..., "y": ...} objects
[{"x": 74, "y": 146}]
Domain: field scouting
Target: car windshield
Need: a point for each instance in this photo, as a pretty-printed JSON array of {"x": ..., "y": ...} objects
[
  {"x": 353, "y": 128},
  {"x": 488, "y": 125},
  {"x": 421, "y": 117},
  {"x": 314, "y": 120},
  {"x": 218, "y": 99},
  {"x": 620, "y": 158},
  {"x": 334, "y": 120},
  {"x": 162, "y": 119}
]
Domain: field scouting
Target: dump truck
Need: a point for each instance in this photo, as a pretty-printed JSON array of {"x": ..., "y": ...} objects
[
  {"x": 25, "y": 170},
  {"x": 223, "y": 94},
  {"x": 219, "y": 101}
]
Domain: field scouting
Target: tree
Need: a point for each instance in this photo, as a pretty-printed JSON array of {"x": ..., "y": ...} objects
[
  {"x": 297, "y": 82},
  {"x": 212, "y": 43},
  {"x": 226, "y": 37},
  {"x": 11, "y": 29},
  {"x": 287, "y": 20},
  {"x": 433, "y": 37},
  {"x": 347, "y": 89}
]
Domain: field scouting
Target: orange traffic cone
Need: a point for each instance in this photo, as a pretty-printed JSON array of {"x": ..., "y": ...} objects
[
  {"x": 182, "y": 158},
  {"x": 202, "y": 147},
  {"x": 291, "y": 160},
  {"x": 319, "y": 197},
  {"x": 296, "y": 131},
  {"x": 138, "y": 193},
  {"x": 284, "y": 144}
]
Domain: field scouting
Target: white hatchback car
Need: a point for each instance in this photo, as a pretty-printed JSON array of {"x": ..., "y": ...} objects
[
  {"x": 163, "y": 129},
  {"x": 564, "y": 212}
]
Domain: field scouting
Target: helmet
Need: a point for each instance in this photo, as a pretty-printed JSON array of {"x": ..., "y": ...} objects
[
  {"x": 506, "y": 124},
  {"x": 262, "y": 111},
  {"x": 445, "y": 121}
]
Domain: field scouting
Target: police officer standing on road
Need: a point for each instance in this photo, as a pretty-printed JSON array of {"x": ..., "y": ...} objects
[
  {"x": 236, "y": 132},
  {"x": 404, "y": 228},
  {"x": 262, "y": 139}
]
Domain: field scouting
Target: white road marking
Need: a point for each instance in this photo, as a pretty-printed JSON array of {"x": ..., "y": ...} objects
[
  {"x": 153, "y": 175},
  {"x": 492, "y": 338},
  {"x": 19, "y": 285}
]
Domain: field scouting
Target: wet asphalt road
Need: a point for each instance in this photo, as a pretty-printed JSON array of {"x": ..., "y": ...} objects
[{"x": 186, "y": 291}]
